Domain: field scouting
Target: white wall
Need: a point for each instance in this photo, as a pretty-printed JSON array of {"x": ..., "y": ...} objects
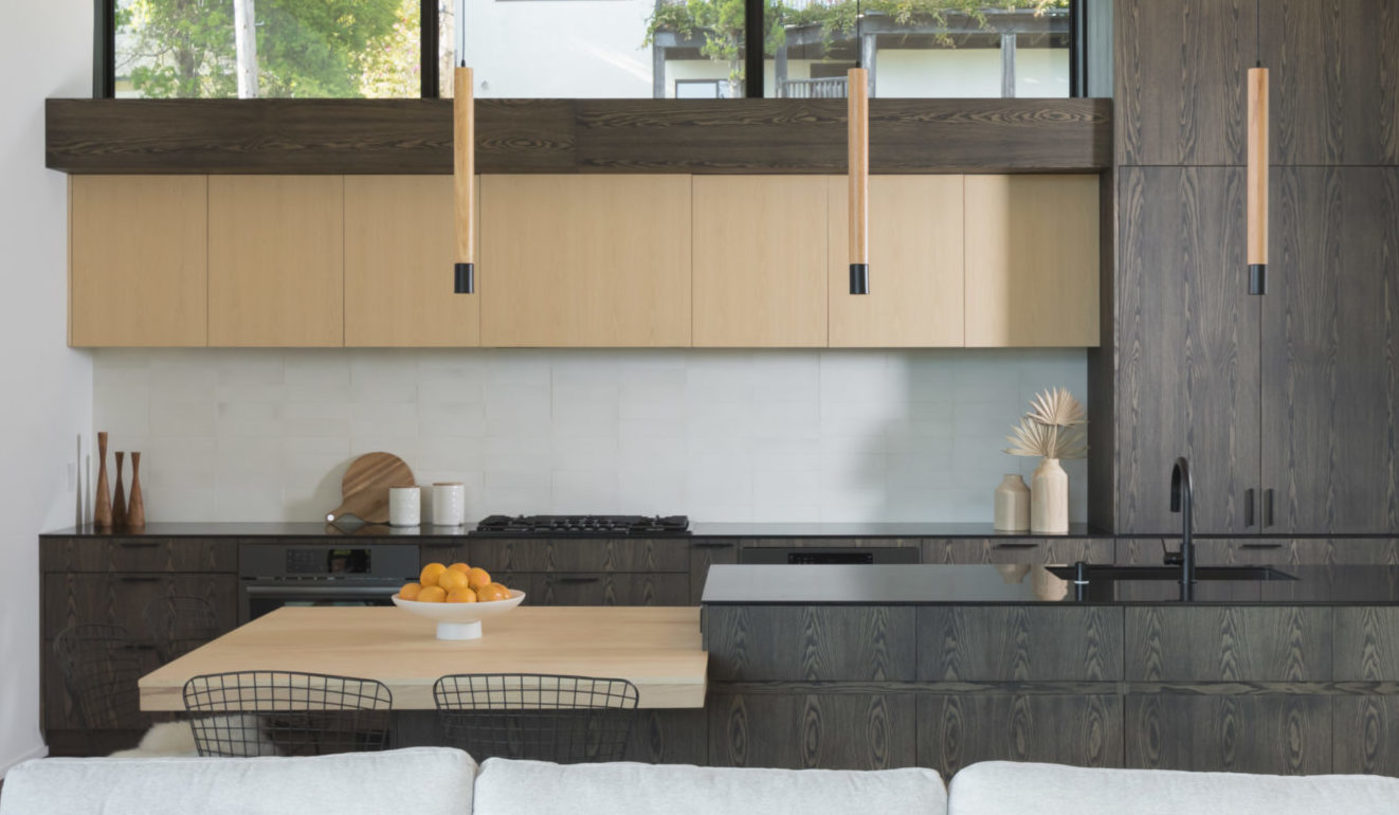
[
  {"x": 264, "y": 435},
  {"x": 45, "y": 50}
]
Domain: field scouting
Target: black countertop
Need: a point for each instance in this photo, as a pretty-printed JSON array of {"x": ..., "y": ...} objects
[{"x": 1036, "y": 585}]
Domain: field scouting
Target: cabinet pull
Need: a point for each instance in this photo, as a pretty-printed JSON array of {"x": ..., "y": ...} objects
[
  {"x": 1248, "y": 507},
  {"x": 553, "y": 581},
  {"x": 713, "y": 544},
  {"x": 133, "y": 578},
  {"x": 1261, "y": 546},
  {"x": 1268, "y": 507},
  {"x": 1020, "y": 545}
]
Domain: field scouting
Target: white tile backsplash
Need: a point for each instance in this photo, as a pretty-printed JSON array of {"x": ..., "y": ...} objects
[{"x": 723, "y": 435}]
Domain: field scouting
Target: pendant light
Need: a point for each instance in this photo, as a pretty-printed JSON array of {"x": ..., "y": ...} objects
[
  {"x": 464, "y": 162},
  {"x": 1257, "y": 181},
  {"x": 857, "y": 90}
]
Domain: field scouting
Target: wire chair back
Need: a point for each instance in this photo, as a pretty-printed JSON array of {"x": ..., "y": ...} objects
[
  {"x": 180, "y": 624},
  {"x": 101, "y": 665},
  {"x": 285, "y": 713},
  {"x": 545, "y": 717}
]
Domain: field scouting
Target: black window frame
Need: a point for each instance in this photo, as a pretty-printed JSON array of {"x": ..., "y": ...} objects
[{"x": 104, "y": 49}]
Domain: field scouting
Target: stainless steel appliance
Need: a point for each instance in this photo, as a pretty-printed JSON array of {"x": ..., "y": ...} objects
[
  {"x": 826, "y": 555},
  {"x": 584, "y": 526},
  {"x": 276, "y": 575}
]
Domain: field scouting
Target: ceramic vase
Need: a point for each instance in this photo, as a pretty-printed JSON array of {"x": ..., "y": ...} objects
[
  {"x": 1049, "y": 498},
  {"x": 1012, "y": 504}
]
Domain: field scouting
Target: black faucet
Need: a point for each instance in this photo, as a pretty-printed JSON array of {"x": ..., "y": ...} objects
[{"x": 1182, "y": 495}]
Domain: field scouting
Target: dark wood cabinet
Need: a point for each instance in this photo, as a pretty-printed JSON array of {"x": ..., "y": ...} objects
[
  {"x": 956, "y": 730},
  {"x": 1187, "y": 349},
  {"x": 611, "y": 589},
  {"x": 801, "y": 731},
  {"x": 1018, "y": 550},
  {"x": 1275, "y": 734},
  {"x": 705, "y": 552}
]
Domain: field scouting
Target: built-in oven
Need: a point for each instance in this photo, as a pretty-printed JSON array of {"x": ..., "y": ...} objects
[
  {"x": 276, "y": 575},
  {"x": 827, "y": 555}
]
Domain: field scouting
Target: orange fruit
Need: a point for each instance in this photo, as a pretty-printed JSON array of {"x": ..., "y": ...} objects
[
  {"x": 459, "y": 567},
  {"x": 409, "y": 591},
  {"x": 430, "y": 574},
  {"x": 451, "y": 580},
  {"x": 478, "y": 577},
  {"x": 461, "y": 595},
  {"x": 432, "y": 594},
  {"x": 493, "y": 592}
]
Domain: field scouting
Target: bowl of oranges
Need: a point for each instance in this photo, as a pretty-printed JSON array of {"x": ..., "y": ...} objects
[{"x": 458, "y": 597}]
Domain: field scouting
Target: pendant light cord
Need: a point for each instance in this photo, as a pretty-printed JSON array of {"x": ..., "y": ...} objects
[
  {"x": 1258, "y": 32},
  {"x": 859, "y": 40}
]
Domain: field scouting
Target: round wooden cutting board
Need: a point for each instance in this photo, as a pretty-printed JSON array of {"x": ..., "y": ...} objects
[{"x": 364, "y": 491}]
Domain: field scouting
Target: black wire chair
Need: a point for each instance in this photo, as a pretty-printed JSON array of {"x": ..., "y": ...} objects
[
  {"x": 545, "y": 717},
  {"x": 284, "y": 713},
  {"x": 180, "y": 624},
  {"x": 101, "y": 665}
]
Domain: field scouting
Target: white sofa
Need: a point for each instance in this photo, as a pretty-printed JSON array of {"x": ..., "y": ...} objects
[{"x": 442, "y": 781}]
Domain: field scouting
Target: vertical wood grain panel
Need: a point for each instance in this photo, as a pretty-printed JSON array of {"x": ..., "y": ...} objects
[
  {"x": 796, "y": 731},
  {"x": 1187, "y": 349},
  {"x": 276, "y": 261},
  {"x": 1019, "y": 644},
  {"x": 916, "y": 269},
  {"x": 138, "y": 262},
  {"x": 755, "y": 643},
  {"x": 760, "y": 257},
  {"x": 1032, "y": 261},
  {"x": 1010, "y": 550},
  {"x": 594, "y": 260},
  {"x": 666, "y": 736},
  {"x": 1229, "y": 644},
  {"x": 1281, "y": 735},
  {"x": 398, "y": 265},
  {"x": 706, "y": 553},
  {"x": 956, "y": 731}
]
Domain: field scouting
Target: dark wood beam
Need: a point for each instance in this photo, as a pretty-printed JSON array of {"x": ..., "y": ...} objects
[{"x": 414, "y": 136}]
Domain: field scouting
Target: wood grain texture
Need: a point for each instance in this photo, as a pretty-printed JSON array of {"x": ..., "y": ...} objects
[
  {"x": 760, "y": 255},
  {"x": 1179, "y": 72},
  {"x": 1331, "y": 353},
  {"x": 809, "y": 731},
  {"x": 810, "y": 642},
  {"x": 138, "y": 265},
  {"x": 1011, "y": 550},
  {"x": 857, "y": 165},
  {"x": 1281, "y": 735},
  {"x": 669, "y": 737},
  {"x": 581, "y": 555},
  {"x": 1229, "y": 644},
  {"x": 1367, "y": 643},
  {"x": 364, "y": 488},
  {"x": 706, "y": 553},
  {"x": 138, "y": 555},
  {"x": 1032, "y": 255},
  {"x": 585, "y": 261},
  {"x": 1256, "y": 194},
  {"x": 1365, "y": 735},
  {"x": 1019, "y": 643},
  {"x": 611, "y": 589},
  {"x": 1102, "y": 368},
  {"x": 464, "y": 186},
  {"x": 276, "y": 261},
  {"x": 1187, "y": 348},
  {"x": 398, "y": 265},
  {"x": 955, "y": 731},
  {"x": 1335, "y": 73},
  {"x": 121, "y": 599},
  {"x": 915, "y": 256},
  {"x": 414, "y": 136}
]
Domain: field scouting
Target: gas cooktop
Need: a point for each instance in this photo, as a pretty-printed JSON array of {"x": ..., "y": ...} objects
[{"x": 584, "y": 526}]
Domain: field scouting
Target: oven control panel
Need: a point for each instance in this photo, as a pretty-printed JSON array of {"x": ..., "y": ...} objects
[{"x": 326, "y": 561}]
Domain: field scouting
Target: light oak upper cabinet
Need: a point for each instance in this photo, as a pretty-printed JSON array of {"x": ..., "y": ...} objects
[
  {"x": 398, "y": 265},
  {"x": 760, "y": 261},
  {"x": 915, "y": 298},
  {"x": 137, "y": 263},
  {"x": 1032, "y": 261},
  {"x": 276, "y": 260},
  {"x": 585, "y": 260}
]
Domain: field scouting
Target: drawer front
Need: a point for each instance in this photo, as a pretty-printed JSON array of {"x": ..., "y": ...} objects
[
  {"x": 1197, "y": 643},
  {"x": 1018, "y": 550},
  {"x": 1267, "y": 551},
  {"x": 705, "y": 553},
  {"x": 443, "y": 553},
  {"x": 1019, "y": 644},
  {"x": 810, "y": 643},
  {"x": 603, "y": 589},
  {"x": 138, "y": 555},
  {"x": 121, "y": 599},
  {"x": 581, "y": 555},
  {"x": 59, "y": 710}
]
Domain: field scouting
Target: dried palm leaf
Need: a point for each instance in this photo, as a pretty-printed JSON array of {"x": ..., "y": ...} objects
[
  {"x": 1057, "y": 407},
  {"x": 1034, "y": 438}
]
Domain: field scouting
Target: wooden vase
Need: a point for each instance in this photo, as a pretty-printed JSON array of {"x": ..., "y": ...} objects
[
  {"x": 1049, "y": 498},
  {"x": 119, "y": 498},
  {"x": 102, "y": 513},
  {"x": 136, "y": 508},
  {"x": 1012, "y": 505}
]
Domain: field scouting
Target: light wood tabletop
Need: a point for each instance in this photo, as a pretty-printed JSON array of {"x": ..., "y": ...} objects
[{"x": 657, "y": 649}]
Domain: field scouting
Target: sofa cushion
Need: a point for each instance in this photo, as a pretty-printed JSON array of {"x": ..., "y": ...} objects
[
  {"x": 423, "y": 781},
  {"x": 505, "y": 787},
  {"x": 1009, "y": 788}
]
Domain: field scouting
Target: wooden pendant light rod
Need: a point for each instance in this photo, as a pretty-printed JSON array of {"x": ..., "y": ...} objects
[
  {"x": 464, "y": 178},
  {"x": 858, "y": 114},
  {"x": 1257, "y": 182}
]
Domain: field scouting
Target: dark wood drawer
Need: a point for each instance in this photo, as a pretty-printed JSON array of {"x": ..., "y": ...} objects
[
  {"x": 121, "y": 599},
  {"x": 705, "y": 553},
  {"x": 810, "y": 643},
  {"x": 611, "y": 589},
  {"x": 842, "y": 543},
  {"x": 138, "y": 555},
  {"x": 1019, "y": 644},
  {"x": 580, "y": 555},
  {"x": 1018, "y": 550},
  {"x": 58, "y": 707},
  {"x": 1229, "y": 644},
  {"x": 1270, "y": 551}
]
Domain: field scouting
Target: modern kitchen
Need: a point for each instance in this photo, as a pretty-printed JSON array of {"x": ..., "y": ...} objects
[{"x": 627, "y": 405}]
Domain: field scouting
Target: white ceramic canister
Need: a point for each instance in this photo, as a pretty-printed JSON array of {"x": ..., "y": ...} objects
[
  {"x": 448, "y": 503},
  {"x": 405, "y": 506}
]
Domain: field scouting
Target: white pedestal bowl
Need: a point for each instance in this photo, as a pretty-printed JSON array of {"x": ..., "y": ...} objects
[{"x": 460, "y": 621}]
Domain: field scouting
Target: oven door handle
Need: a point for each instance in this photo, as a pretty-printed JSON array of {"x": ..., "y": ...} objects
[{"x": 321, "y": 591}]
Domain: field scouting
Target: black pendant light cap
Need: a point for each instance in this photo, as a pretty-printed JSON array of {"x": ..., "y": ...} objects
[
  {"x": 1258, "y": 278},
  {"x": 859, "y": 278},
  {"x": 465, "y": 278}
]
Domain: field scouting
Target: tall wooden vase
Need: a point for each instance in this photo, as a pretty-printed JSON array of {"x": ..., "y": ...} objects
[
  {"x": 136, "y": 508},
  {"x": 1049, "y": 498},
  {"x": 102, "y": 512},
  {"x": 119, "y": 499}
]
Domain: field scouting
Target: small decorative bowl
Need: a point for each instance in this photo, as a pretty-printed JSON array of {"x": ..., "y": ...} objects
[{"x": 460, "y": 621}]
